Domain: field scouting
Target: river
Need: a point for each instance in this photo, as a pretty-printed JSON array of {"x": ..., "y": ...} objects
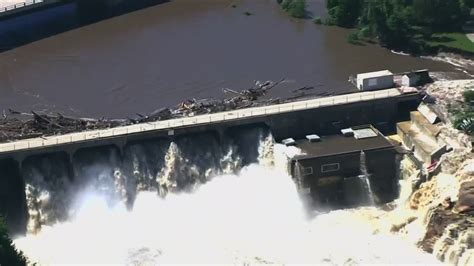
[{"x": 182, "y": 49}]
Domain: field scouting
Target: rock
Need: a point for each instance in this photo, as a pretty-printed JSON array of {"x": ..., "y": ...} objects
[
  {"x": 435, "y": 192},
  {"x": 437, "y": 221},
  {"x": 447, "y": 203},
  {"x": 466, "y": 198},
  {"x": 396, "y": 227},
  {"x": 449, "y": 236},
  {"x": 455, "y": 241},
  {"x": 453, "y": 161}
]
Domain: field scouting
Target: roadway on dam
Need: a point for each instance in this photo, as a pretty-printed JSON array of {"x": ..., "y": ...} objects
[
  {"x": 11, "y": 7},
  {"x": 200, "y": 120}
]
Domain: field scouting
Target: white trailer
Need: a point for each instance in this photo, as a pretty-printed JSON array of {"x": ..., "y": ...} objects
[{"x": 375, "y": 80}]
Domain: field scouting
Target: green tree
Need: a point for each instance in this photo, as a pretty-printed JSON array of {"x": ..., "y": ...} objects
[
  {"x": 469, "y": 96},
  {"x": 297, "y": 8},
  {"x": 441, "y": 14},
  {"x": 469, "y": 3},
  {"x": 9, "y": 255},
  {"x": 285, "y": 4},
  {"x": 344, "y": 13},
  {"x": 387, "y": 21}
]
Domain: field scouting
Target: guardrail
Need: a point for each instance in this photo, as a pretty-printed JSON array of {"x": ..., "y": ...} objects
[
  {"x": 196, "y": 120},
  {"x": 20, "y": 5}
]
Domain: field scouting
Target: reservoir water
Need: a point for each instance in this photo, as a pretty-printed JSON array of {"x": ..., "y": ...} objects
[{"x": 180, "y": 49}]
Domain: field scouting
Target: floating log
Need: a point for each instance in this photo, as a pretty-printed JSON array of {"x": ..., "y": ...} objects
[{"x": 19, "y": 125}]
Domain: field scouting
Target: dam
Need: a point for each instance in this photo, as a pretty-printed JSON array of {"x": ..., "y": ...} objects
[
  {"x": 222, "y": 187},
  {"x": 285, "y": 120},
  {"x": 52, "y": 163}
]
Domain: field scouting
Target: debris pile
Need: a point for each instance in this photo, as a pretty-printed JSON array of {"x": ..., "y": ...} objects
[{"x": 20, "y": 125}]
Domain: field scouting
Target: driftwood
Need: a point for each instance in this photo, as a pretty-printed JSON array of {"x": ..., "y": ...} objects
[{"x": 19, "y": 125}]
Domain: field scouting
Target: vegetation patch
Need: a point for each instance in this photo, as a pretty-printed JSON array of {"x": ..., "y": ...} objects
[
  {"x": 457, "y": 41},
  {"x": 9, "y": 255},
  {"x": 295, "y": 8},
  {"x": 463, "y": 115},
  {"x": 416, "y": 26},
  {"x": 317, "y": 20},
  {"x": 353, "y": 38}
]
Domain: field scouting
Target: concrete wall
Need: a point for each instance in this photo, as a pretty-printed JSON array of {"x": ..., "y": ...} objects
[
  {"x": 12, "y": 196},
  {"x": 348, "y": 166},
  {"x": 410, "y": 81},
  {"x": 330, "y": 120},
  {"x": 381, "y": 165},
  {"x": 382, "y": 113}
]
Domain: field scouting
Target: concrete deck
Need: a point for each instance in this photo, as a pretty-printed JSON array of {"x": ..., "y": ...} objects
[
  {"x": 8, "y": 5},
  {"x": 170, "y": 125}
]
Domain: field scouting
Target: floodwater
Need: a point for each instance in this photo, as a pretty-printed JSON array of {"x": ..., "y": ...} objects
[{"x": 183, "y": 49}]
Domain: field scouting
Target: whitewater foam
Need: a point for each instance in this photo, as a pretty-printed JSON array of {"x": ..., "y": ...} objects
[{"x": 253, "y": 217}]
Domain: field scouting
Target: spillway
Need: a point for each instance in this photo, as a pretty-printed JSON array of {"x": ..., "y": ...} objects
[{"x": 193, "y": 200}]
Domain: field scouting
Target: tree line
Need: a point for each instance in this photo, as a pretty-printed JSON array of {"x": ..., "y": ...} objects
[{"x": 399, "y": 23}]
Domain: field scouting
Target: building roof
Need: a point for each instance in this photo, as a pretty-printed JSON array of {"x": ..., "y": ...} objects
[
  {"x": 367, "y": 139},
  {"x": 374, "y": 74}
]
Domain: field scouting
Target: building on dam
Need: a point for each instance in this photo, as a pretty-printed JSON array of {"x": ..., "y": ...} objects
[{"x": 356, "y": 167}]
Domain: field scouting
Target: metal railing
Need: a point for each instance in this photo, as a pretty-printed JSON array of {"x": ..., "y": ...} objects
[
  {"x": 196, "y": 120},
  {"x": 20, "y": 5}
]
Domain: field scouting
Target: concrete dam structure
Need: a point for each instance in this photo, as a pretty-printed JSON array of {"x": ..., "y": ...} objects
[
  {"x": 13, "y": 8},
  {"x": 39, "y": 178}
]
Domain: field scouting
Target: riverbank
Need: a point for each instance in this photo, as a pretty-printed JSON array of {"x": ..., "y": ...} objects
[{"x": 438, "y": 214}]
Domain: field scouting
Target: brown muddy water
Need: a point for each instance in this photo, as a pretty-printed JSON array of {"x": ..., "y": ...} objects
[{"x": 182, "y": 49}]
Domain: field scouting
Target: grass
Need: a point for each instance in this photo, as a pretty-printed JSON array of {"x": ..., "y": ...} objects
[{"x": 458, "y": 41}]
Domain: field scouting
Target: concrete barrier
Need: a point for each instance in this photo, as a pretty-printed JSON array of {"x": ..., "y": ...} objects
[{"x": 200, "y": 120}]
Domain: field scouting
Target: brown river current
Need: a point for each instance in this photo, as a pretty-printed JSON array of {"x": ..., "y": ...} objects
[{"x": 182, "y": 49}]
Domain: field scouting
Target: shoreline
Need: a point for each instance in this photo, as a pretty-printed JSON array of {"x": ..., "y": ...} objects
[{"x": 443, "y": 205}]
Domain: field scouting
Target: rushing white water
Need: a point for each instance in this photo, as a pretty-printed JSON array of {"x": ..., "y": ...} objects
[
  {"x": 253, "y": 217},
  {"x": 365, "y": 177}
]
